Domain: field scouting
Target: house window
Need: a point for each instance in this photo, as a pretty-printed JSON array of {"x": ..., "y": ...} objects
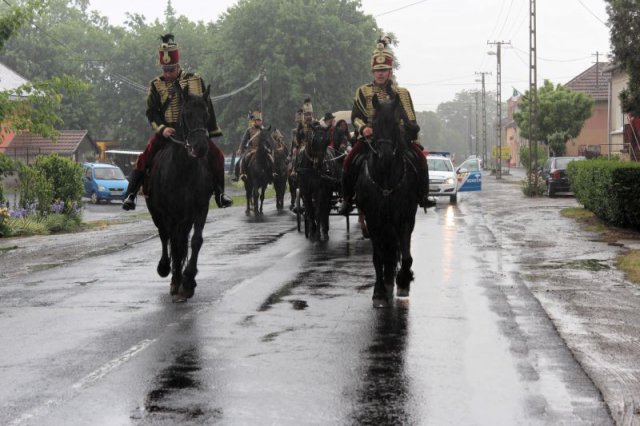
[{"x": 589, "y": 151}]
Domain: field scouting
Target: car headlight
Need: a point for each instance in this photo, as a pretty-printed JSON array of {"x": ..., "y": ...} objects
[
  {"x": 101, "y": 188},
  {"x": 450, "y": 181}
]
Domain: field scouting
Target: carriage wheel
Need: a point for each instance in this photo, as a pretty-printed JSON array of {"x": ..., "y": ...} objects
[{"x": 298, "y": 209}]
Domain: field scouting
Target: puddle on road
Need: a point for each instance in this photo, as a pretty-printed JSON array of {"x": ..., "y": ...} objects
[
  {"x": 164, "y": 402},
  {"x": 299, "y": 305},
  {"x": 592, "y": 265}
]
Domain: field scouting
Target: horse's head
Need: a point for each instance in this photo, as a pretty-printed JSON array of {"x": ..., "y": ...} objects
[
  {"x": 319, "y": 143},
  {"x": 386, "y": 120},
  {"x": 265, "y": 143},
  {"x": 193, "y": 122}
]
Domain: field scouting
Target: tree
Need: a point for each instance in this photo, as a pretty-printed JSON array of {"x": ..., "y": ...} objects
[
  {"x": 561, "y": 113},
  {"x": 33, "y": 106},
  {"x": 309, "y": 48},
  {"x": 454, "y": 116},
  {"x": 624, "y": 21}
]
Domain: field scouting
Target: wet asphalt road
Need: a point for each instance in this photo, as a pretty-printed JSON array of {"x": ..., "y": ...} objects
[{"x": 281, "y": 331}]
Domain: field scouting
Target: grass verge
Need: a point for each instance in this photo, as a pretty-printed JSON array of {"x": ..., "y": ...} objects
[{"x": 629, "y": 261}]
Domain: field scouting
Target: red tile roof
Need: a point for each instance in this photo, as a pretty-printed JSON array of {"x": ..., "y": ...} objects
[
  {"x": 593, "y": 81},
  {"x": 66, "y": 145}
]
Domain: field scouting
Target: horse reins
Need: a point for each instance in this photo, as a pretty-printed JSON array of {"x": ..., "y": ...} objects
[{"x": 387, "y": 192}]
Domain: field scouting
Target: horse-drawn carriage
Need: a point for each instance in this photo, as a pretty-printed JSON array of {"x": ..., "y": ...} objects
[{"x": 316, "y": 185}]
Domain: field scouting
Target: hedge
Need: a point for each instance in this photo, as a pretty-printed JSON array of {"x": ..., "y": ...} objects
[{"x": 608, "y": 188}]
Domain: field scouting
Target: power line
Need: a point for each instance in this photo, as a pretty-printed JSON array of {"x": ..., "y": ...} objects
[
  {"x": 591, "y": 12},
  {"x": 400, "y": 8},
  {"x": 555, "y": 60}
]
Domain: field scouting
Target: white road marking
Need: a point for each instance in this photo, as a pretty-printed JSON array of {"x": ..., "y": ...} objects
[{"x": 90, "y": 378}]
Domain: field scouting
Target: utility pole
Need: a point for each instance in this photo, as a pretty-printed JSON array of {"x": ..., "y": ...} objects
[
  {"x": 477, "y": 124},
  {"x": 484, "y": 118},
  {"x": 498, "y": 54},
  {"x": 262, "y": 79},
  {"x": 469, "y": 130},
  {"x": 597, "y": 55},
  {"x": 533, "y": 98}
]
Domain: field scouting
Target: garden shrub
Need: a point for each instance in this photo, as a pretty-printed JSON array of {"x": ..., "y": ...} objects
[
  {"x": 65, "y": 176},
  {"x": 608, "y": 188}
]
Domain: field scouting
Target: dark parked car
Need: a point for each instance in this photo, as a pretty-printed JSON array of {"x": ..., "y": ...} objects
[{"x": 554, "y": 173}]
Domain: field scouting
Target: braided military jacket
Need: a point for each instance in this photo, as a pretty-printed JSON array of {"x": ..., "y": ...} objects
[
  {"x": 164, "y": 102},
  {"x": 303, "y": 134},
  {"x": 362, "y": 111},
  {"x": 250, "y": 140}
]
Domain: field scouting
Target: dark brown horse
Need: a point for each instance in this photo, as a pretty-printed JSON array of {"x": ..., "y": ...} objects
[
  {"x": 280, "y": 169},
  {"x": 259, "y": 172},
  {"x": 386, "y": 194},
  {"x": 318, "y": 175},
  {"x": 179, "y": 188}
]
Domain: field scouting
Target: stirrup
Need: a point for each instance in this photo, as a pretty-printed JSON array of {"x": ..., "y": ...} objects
[
  {"x": 129, "y": 202},
  {"x": 223, "y": 200},
  {"x": 243, "y": 177}
]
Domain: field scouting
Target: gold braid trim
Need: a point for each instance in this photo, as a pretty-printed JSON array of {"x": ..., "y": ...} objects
[{"x": 172, "y": 112}]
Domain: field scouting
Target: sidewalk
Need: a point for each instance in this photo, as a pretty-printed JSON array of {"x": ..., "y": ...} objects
[{"x": 572, "y": 273}]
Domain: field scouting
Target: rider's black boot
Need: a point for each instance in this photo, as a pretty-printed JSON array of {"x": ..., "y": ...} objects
[
  {"x": 423, "y": 194},
  {"x": 222, "y": 199},
  {"x": 236, "y": 172},
  {"x": 347, "y": 196},
  {"x": 135, "y": 180}
]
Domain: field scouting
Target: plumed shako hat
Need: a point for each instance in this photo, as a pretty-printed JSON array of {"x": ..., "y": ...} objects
[
  {"x": 169, "y": 53},
  {"x": 307, "y": 106},
  {"x": 382, "y": 57}
]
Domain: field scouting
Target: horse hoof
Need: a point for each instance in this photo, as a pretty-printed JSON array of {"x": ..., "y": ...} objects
[
  {"x": 163, "y": 269},
  {"x": 176, "y": 298},
  {"x": 380, "y": 303},
  {"x": 402, "y": 292}
]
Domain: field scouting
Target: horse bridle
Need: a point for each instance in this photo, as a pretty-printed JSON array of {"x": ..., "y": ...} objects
[{"x": 185, "y": 142}]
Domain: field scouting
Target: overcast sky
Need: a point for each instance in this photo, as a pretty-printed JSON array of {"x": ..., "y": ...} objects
[{"x": 443, "y": 43}]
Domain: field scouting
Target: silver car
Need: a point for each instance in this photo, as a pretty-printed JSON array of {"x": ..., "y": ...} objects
[{"x": 442, "y": 178}]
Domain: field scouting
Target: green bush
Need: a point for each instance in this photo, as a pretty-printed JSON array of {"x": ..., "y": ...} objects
[
  {"x": 610, "y": 189},
  {"x": 7, "y": 166},
  {"x": 524, "y": 156},
  {"x": 4, "y": 222},
  {"x": 65, "y": 176}
]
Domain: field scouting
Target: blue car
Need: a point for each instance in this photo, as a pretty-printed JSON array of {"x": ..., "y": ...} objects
[{"x": 104, "y": 182}]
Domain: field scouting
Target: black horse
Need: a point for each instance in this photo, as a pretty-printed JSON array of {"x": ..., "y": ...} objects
[
  {"x": 386, "y": 194},
  {"x": 179, "y": 190},
  {"x": 318, "y": 175},
  {"x": 280, "y": 169},
  {"x": 259, "y": 173}
]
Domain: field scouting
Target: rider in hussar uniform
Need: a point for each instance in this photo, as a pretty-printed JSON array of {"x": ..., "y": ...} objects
[
  {"x": 249, "y": 143},
  {"x": 362, "y": 114},
  {"x": 304, "y": 129},
  {"x": 164, "y": 105}
]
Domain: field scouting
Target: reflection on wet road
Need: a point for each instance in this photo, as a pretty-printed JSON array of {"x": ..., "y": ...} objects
[{"x": 281, "y": 331}]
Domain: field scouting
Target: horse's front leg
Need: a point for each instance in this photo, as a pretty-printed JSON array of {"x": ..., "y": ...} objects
[
  {"x": 190, "y": 272},
  {"x": 179, "y": 243},
  {"x": 249, "y": 193},
  {"x": 262, "y": 190},
  {"x": 380, "y": 299},
  {"x": 405, "y": 274},
  {"x": 164, "y": 265},
  {"x": 256, "y": 196}
]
